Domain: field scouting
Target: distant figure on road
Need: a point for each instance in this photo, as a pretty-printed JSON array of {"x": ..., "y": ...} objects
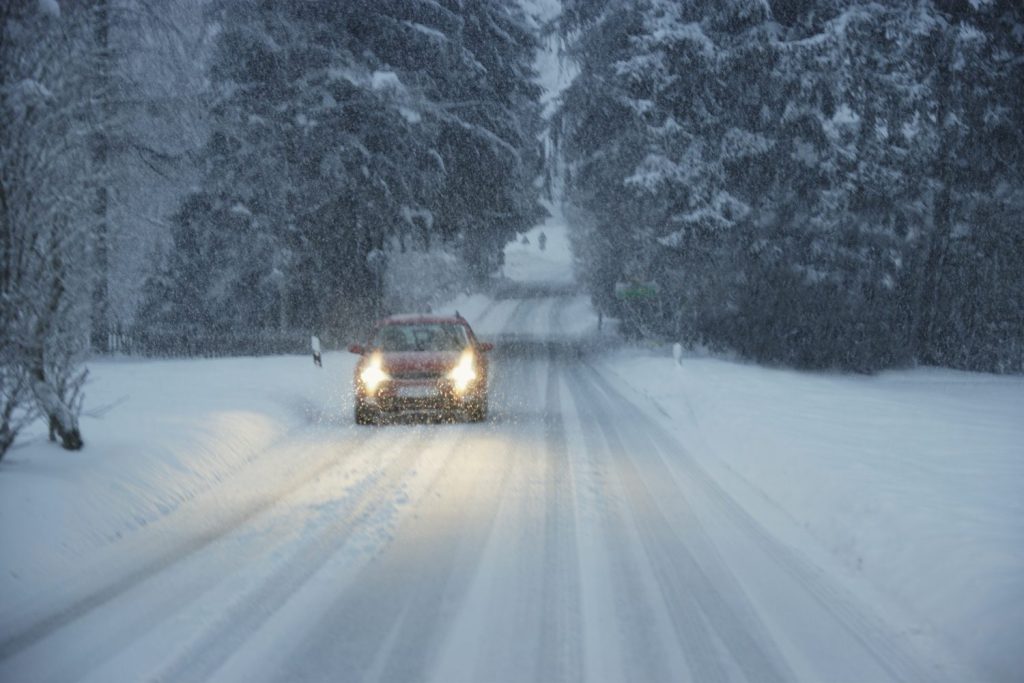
[
  {"x": 525, "y": 240},
  {"x": 315, "y": 343},
  {"x": 542, "y": 240}
]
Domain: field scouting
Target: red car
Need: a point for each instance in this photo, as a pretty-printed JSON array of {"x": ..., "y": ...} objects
[{"x": 421, "y": 363}]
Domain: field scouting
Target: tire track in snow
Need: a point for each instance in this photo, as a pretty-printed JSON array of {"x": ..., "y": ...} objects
[
  {"x": 507, "y": 577},
  {"x": 232, "y": 629},
  {"x": 484, "y": 314},
  {"x": 560, "y": 653},
  {"x": 712, "y": 613},
  {"x": 24, "y": 637},
  {"x": 865, "y": 628},
  {"x": 675, "y": 594},
  {"x": 170, "y": 593},
  {"x": 631, "y": 619},
  {"x": 530, "y": 570},
  {"x": 388, "y": 623}
]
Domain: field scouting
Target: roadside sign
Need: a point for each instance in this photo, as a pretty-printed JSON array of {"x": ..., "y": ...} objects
[{"x": 636, "y": 290}]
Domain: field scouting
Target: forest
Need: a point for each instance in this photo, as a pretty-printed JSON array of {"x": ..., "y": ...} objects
[
  {"x": 827, "y": 184},
  {"x": 822, "y": 184}
]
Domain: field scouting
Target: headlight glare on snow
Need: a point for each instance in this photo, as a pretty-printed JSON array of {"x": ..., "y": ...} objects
[
  {"x": 373, "y": 374},
  {"x": 463, "y": 374}
]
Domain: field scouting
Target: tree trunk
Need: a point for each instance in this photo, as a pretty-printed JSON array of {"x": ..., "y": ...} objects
[
  {"x": 100, "y": 154},
  {"x": 61, "y": 418},
  {"x": 6, "y": 437},
  {"x": 928, "y": 298},
  {"x": 934, "y": 266}
]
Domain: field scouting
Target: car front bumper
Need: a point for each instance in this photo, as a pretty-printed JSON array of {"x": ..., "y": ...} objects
[{"x": 398, "y": 396}]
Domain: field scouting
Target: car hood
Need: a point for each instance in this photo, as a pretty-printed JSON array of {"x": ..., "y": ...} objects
[{"x": 420, "y": 362}]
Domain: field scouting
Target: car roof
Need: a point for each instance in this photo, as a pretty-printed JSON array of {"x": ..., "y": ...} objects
[{"x": 427, "y": 319}]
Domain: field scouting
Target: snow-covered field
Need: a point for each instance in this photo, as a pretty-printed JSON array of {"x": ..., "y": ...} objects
[{"x": 914, "y": 479}]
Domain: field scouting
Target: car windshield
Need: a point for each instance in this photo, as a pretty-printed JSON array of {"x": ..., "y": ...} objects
[{"x": 421, "y": 337}]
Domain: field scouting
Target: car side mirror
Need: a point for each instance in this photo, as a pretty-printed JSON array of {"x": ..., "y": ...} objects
[
  {"x": 485, "y": 346},
  {"x": 357, "y": 348}
]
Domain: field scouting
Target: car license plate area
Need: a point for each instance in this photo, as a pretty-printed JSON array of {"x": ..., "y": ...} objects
[{"x": 417, "y": 391}]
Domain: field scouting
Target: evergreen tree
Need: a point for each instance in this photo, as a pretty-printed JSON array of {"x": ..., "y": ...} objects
[
  {"x": 341, "y": 130},
  {"x": 818, "y": 187}
]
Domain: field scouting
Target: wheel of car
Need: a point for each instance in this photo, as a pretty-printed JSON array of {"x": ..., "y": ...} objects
[
  {"x": 364, "y": 415},
  {"x": 478, "y": 410}
]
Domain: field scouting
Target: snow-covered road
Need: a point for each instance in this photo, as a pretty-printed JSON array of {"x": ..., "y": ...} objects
[{"x": 571, "y": 537}]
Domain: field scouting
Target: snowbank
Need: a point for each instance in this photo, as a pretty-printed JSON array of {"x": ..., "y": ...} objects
[
  {"x": 913, "y": 479},
  {"x": 158, "y": 434}
]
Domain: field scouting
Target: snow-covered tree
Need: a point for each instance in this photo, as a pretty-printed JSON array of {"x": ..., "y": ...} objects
[
  {"x": 147, "y": 83},
  {"x": 341, "y": 130},
  {"x": 970, "y": 268},
  {"x": 816, "y": 183},
  {"x": 45, "y": 218}
]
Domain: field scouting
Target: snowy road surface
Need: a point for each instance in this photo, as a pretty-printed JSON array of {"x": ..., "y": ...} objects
[{"x": 571, "y": 537}]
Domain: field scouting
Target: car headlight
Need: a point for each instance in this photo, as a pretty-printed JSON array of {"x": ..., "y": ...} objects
[
  {"x": 463, "y": 374},
  {"x": 373, "y": 374}
]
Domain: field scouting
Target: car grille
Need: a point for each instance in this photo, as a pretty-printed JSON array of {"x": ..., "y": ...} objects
[{"x": 417, "y": 375}]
